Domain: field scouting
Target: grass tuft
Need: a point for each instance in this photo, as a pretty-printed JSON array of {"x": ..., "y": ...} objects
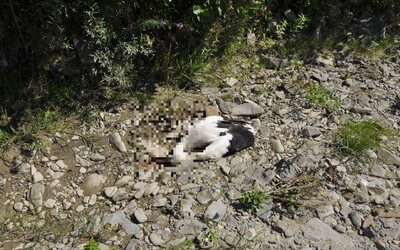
[{"x": 354, "y": 138}]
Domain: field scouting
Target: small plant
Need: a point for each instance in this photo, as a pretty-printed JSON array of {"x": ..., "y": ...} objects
[
  {"x": 209, "y": 235},
  {"x": 282, "y": 28},
  {"x": 188, "y": 244},
  {"x": 354, "y": 138},
  {"x": 254, "y": 199},
  {"x": 301, "y": 23},
  {"x": 91, "y": 245},
  {"x": 318, "y": 96}
]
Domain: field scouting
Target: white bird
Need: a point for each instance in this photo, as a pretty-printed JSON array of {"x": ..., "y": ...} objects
[{"x": 213, "y": 138}]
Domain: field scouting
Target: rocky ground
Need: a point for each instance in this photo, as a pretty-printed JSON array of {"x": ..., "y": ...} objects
[{"x": 95, "y": 181}]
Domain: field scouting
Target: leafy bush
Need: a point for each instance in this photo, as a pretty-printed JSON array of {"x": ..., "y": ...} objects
[{"x": 254, "y": 199}]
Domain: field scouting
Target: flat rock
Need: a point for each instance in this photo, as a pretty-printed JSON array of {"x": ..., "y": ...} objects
[
  {"x": 324, "y": 232},
  {"x": 388, "y": 157},
  {"x": 223, "y": 106},
  {"x": 378, "y": 171},
  {"x": 120, "y": 195},
  {"x": 120, "y": 218},
  {"x": 309, "y": 131},
  {"x": 247, "y": 109},
  {"x": 204, "y": 196},
  {"x": 97, "y": 157},
  {"x": 216, "y": 210}
]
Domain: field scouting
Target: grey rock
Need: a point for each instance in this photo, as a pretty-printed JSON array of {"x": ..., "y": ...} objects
[
  {"x": 378, "y": 171},
  {"x": 247, "y": 109},
  {"x": 325, "y": 211},
  {"x": 18, "y": 206},
  {"x": 209, "y": 90},
  {"x": 325, "y": 232},
  {"x": 319, "y": 76},
  {"x": 110, "y": 191},
  {"x": 120, "y": 218},
  {"x": 135, "y": 244},
  {"x": 356, "y": 219},
  {"x": 204, "y": 196},
  {"x": 280, "y": 226},
  {"x": 361, "y": 110},
  {"x": 223, "y": 106},
  {"x": 93, "y": 184},
  {"x": 231, "y": 81},
  {"x": 388, "y": 157},
  {"x": 216, "y": 210},
  {"x": 80, "y": 162},
  {"x": 274, "y": 63},
  {"x": 340, "y": 228},
  {"x": 140, "y": 216},
  {"x": 156, "y": 239},
  {"x": 36, "y": 196},
  {"x": 277, "y": 146},
  {"x": 120, "y": 195},
  {"x": 151, "y": 188},
  {"x": 61, "y": 164},
  {"x": 264, "y": 131},
  {"x": 309, "y": 131},
  {"x": 325, "y": 61},
  {"x": 116, "y": 141},
  {"x": 251, "y": 39},
  {"x": 97, "y": 157},
  {"x": 161, "y": 202},
  {"x": 37, "y": 177}
]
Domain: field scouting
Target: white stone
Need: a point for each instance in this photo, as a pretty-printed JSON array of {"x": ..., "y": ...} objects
[{"x": 37, "y": 177}]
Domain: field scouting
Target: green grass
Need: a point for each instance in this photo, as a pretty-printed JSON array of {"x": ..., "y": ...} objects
[
  {"x": 374, "y": 50},
  {"x": 354, "y": 138},
  {"x": 254, "y": 199},
  {"x": 318, "y": 96}
]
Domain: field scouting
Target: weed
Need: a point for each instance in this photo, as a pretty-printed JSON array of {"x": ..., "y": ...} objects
[
  {"x": 373, "y": 49},
  {"x": 354, "y": 138},
  {"x": 92, "y": 245},
  {"x": 282, "y": 28},
  {"x": 254, "y": 199},
  {"x": 318, "y": 96},
  {"x": 209, "y": 235},
  {"x": 188, "y": 244}
]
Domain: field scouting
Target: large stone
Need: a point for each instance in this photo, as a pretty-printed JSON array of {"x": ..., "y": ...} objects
[
  {"x": 216, "y": 210},
  {"x": 309, "y": 131},
  {"x": 388, "y": 157},
  {"x": 92, "y": 184},
  {"x": 120, "y": 218},
  {"x": 117, "y": 142},
  {"x": 36, "y": 196},
  {"x": 324, "y": 232},
  {"x": 247, "y": 109}
]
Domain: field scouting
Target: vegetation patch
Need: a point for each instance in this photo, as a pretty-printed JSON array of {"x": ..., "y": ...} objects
[
  {"x": 317, "y": 95},
  {"x": 254, "y": 199},
  {"x": 354, "y": 138}
]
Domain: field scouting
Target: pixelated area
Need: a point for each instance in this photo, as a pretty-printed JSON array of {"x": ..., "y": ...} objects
[{"x": 156, "y": 130}]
